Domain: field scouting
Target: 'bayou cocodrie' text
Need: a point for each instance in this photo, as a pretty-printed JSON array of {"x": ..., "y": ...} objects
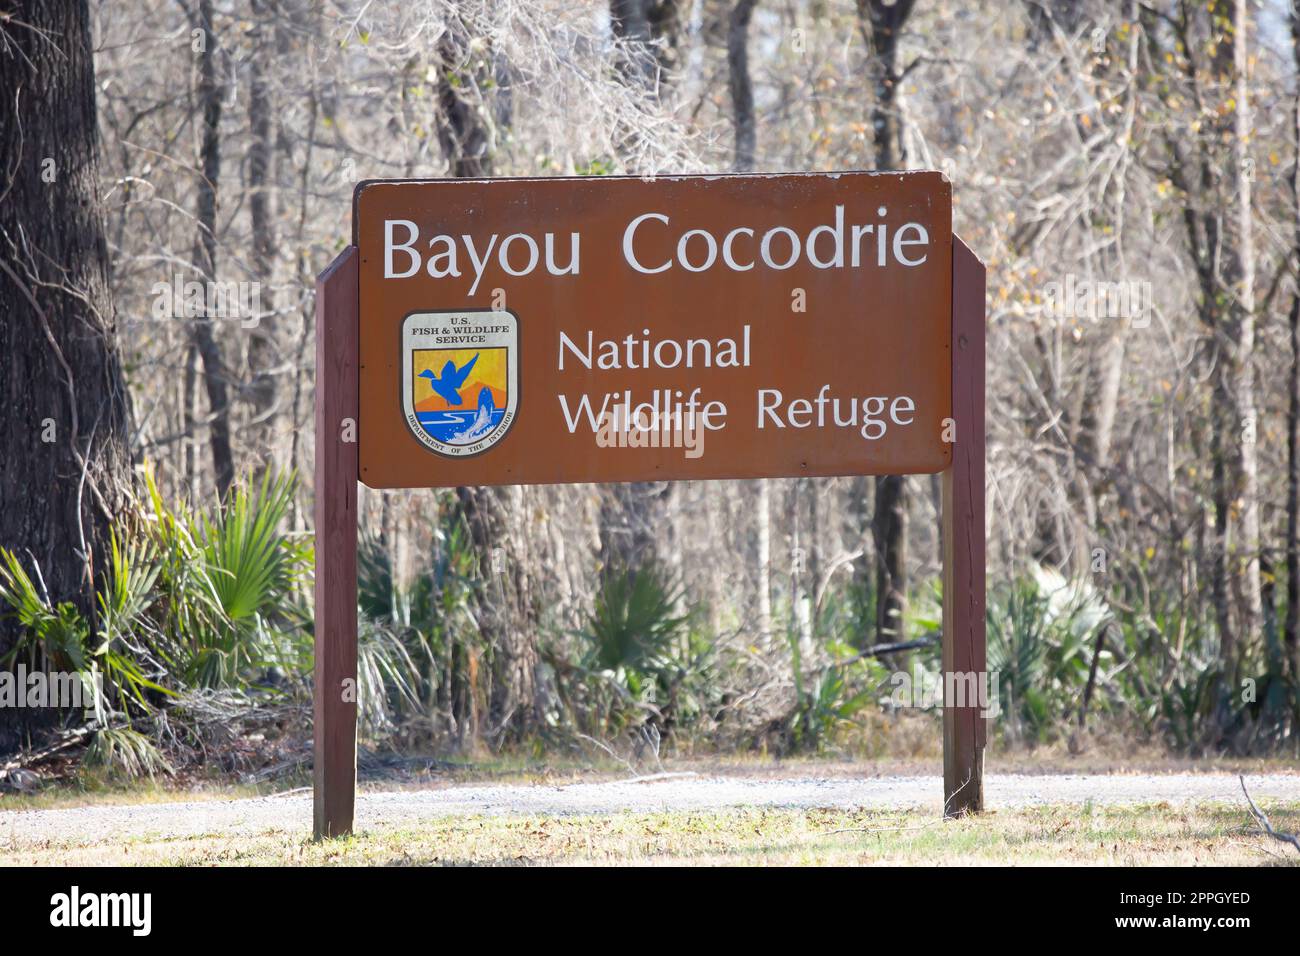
[{"x": 836, "y": 244}]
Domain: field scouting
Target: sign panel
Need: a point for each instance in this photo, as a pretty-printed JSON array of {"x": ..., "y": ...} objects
[{"x": 523, "y": 331}]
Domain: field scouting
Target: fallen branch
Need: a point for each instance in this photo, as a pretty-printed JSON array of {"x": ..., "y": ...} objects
[
  {"x": 955, "y": 793},
  {"x": 631, "y": 769},
  {"x": 276, "y": 770},
  {"x": 1264, "y": 822},
  {"x": 26, "y": 758},
  {"x": 879, "y": 650},
  {"x": 667, "y": 775}
]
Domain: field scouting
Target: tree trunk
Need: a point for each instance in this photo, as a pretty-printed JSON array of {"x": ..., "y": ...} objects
[
  {"x": 1244, "y": 360},
  {"x": 630, "y": 515},
  {"x": 1201, "y": 167},
  {"x": 215, "y": 374},
  {"x": 763, "y": 544},
  {"x": 463, "y": 132},
  {"x": 1221, "y": 421},
  {"x": 263, "y": 350},
  {"x": 857, "y": 528},
  {"x": 507, "y": 608},
  {"x": 648, "y": 32},
  {"x": 742, "y": 89},
  {"x": 880, "y": 22},
  {"x": 64, "y": 408},
  {"x": 1291, "y": 626},
  {"x": 889, "y": 532},
  {"x": 1111, "y": 377}
]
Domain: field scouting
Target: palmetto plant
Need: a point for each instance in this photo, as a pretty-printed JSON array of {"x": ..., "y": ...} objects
[
  {"x": 1017, "y": 631},
  {"x": 1041, "y": 640},
  {"x": 389, "y": 677},
  {"x": 640, "y": 655},
  {"x": 230, "y": 582},
  {"x": 633, "y": 624},
  {"x": 116, "y": 670},
  {"x": 125, "y": 751},
  {"x": 827, "y": 697},
  {"x": 412, "y": 635},
  {"x": 60, "y": 637},
  {"x": 188, "y": 601}
]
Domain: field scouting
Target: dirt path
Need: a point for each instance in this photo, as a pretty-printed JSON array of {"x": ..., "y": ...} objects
[{"x": 292, "y": 813}]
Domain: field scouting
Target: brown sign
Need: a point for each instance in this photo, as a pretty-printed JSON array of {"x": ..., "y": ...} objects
[
  {"x": 535, "y": 331},
  {"x": 527, "y": 331}
]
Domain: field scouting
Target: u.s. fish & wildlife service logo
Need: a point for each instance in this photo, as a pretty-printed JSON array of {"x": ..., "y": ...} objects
[{"x": 460, "y": 378}]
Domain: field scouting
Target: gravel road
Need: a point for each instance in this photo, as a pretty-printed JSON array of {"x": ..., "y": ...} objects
[{"x": 384, "y": 809}]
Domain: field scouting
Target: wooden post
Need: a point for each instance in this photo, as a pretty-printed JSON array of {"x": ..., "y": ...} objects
[
  {"x": 335, "y": 743},
  {"x": 964, "y": 727}
]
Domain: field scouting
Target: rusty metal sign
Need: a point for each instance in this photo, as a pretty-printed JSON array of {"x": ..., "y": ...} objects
[{"x": 524, "y": 331}]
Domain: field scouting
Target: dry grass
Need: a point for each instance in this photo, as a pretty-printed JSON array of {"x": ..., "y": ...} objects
[
  {"x": 90, "y": 789},
  {"x": 1158, "y": 834}
]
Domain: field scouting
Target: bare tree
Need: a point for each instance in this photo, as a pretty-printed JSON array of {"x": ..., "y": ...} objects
[
  {"x": 1242, "y": 276},
  {"x": 881, "y": 24},
  {"x": 648, "y": 31},
  {"x": 507, "y": 602},
  {"x": 1213, "y": 174},
  {"x": 1087, "y": 139},
  {"x": 215, "y": 372},
  {"x": 742, "y": 88},
  {"x": 1291, "y": 626},
  {"x": 263, "y": 350}
]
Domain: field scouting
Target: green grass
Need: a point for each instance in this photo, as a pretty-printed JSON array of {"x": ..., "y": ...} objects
[{"x": 1157, "y": 834}]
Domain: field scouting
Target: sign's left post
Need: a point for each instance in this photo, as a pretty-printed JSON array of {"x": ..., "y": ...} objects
[{"x": 335, "y": 599}]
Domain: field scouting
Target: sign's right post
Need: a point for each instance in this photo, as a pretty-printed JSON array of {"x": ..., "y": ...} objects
[{"x": 964, "y": 669}]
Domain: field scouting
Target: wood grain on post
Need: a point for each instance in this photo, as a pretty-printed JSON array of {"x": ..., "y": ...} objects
[
  {"x": 964, "y": 727},
  {"x": 335, "y": 743}
]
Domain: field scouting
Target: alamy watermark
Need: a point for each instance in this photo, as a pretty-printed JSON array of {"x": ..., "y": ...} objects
[
  {"x": 646, "y": 426},
  {"x": 75, "y": 908},
  {"x": 21, "y": 688},
  {"x": 1094, "y": 299},
  {"x": 925, "y": 690},
  {"x": 189, "y": 299}
]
